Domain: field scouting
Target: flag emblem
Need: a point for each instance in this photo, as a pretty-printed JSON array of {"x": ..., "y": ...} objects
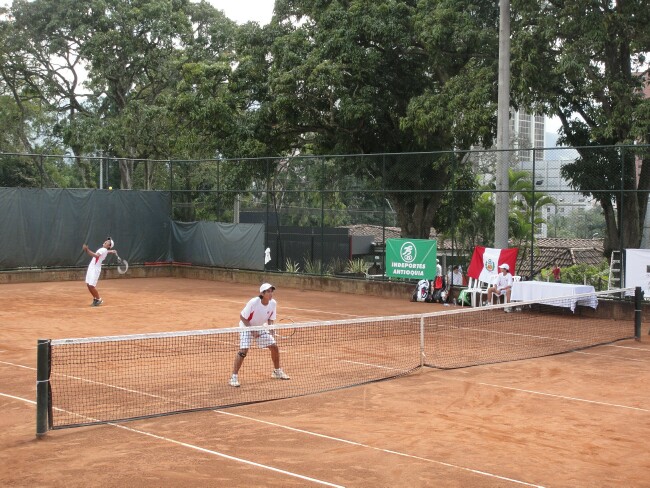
[{"x": 486, "y": 261}]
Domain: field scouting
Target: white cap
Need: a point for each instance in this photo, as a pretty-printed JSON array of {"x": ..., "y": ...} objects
[
  {"x": 266, "y": 286},
  {"x": 504, "y": 266},
  {"x": 112, "y": 243}
]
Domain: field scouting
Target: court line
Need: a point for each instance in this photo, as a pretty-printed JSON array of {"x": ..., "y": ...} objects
[
  {"x": 541, "y": 393},
  {"x": 611, "y": 356},
  {"x": 387, "y": 451},
  {"x": 202, "y": 449},
  {"x": 302, "y": 431},
  {"x": 564, "y": 397},
  {"x": 124, "y": 306},
  {"x": 644, "y": 349}
]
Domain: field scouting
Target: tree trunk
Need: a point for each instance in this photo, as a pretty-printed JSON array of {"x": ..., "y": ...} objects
[
  {"x": 126, "y": 174},
  {"x": 631, "y": 226},
  {"x": 611, "y": 237},
  {"x": 415, "y": 215}
]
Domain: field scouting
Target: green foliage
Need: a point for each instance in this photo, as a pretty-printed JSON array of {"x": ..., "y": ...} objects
[
  {"x": 579, "y": 223},
  {"x": 313, "y": 266},
  {"x": 362, "y": 77},
  {"x": 357, "y": 266},
  {"x": 584, "y": 62},
  {"x": 291, "y": 266},
  {"x": 337, "y": 265},
  {"x": 579, "y": 274}
]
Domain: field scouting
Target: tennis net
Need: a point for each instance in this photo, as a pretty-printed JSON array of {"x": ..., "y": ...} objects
[{"x": 105, "y": 379}]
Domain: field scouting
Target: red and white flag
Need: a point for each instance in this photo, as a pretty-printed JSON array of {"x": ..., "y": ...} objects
[{"x": 486, "y": 261}]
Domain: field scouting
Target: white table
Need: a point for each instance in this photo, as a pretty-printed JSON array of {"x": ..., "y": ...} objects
[{"x": 523, "y": 291}]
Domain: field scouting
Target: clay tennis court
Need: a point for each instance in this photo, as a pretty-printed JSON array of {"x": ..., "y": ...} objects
[{"x": 576, "y": 419}]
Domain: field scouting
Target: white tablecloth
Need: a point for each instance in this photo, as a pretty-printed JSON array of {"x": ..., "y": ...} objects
[{"x": 523, "y": 291}]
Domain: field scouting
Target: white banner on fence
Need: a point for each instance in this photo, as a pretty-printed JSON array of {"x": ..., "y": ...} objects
[{"x": 637, "y": 269}]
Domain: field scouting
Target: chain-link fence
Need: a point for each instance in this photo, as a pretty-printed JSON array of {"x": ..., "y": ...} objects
[{"x": 572, "y": 205}]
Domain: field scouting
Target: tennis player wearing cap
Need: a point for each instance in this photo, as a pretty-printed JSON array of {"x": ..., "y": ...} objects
[
  {"x": 503, "y": 285},
  {"x": 258, "y": 311},
  {"x": 95, "y": 268}
]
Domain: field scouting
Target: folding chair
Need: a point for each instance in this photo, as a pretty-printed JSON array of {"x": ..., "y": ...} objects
[{"x": 484, "y": 289}]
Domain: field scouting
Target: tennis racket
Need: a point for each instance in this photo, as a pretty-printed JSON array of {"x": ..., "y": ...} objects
[
  {"x": 122, "y": 265},
  {"x": 285, "y": 333}
]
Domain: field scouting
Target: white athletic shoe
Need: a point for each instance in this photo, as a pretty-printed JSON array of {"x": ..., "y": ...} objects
[
  {"x": 507, "y": 309},
  {"x": 278, "y": 374},
  {"x": 234, "y": 381}
]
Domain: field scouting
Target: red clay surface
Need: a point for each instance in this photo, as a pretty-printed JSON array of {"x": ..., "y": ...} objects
[{"x": 576, "y": 420}]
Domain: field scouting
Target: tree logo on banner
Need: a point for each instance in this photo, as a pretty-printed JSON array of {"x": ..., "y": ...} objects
[
  {"x": 408, "y": 252},
  {"x": 490, "y": 265}
]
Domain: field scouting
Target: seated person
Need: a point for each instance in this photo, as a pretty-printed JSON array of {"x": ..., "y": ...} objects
[
  {"x": 503, "y": 285},
  {"x": 455, "y": 277}
]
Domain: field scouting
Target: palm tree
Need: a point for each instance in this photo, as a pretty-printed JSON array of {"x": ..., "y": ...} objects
[{"x": 525, "y": 214}]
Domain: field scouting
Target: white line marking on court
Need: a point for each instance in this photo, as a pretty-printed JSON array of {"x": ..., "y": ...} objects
[
  {"x": 388, "y": 451},
  {"x": 322, "y": 312},
  {"x": 611, "y": 356},
  {"x": 18, "y": 398},
  {"x": 18, "y": 365},
  {"x": 226, "y": 456},
  {"x": 563, "y": 397},
  {"x": 283, "y": 307},
  {"x": 441, "y": 463},
  {"x": 202, "y": 449},
  {"x": 644, "y": 349}
]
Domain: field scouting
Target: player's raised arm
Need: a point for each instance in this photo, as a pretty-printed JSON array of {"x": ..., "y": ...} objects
[{"x": 88, "y": 251}]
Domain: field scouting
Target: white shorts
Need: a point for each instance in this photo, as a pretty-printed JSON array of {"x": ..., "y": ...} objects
[
  {"x": 92, "y": 275},
  {"x": 263, "y": 338}
]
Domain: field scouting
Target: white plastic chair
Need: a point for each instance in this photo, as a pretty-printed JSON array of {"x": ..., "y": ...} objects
[
  {"x": 476, "y": 289},
  {"x": 469, "y": 290},
  {"x": 493, "y": 280}
]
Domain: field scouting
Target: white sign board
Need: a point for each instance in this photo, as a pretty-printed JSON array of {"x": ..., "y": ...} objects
[{"x": 637, "y": 269}]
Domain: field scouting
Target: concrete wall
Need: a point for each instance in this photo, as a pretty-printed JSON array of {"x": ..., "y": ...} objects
[{"x": 358, "y": 286}]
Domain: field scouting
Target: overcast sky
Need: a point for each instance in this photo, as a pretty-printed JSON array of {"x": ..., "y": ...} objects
[{"x": 242, "y": 11}]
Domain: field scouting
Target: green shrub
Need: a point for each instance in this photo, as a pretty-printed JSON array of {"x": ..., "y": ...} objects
[
  {"x": 579, "y": 274},
  {"x": 357, "y": 266},
  {"x": 314, "y": 267},
  {"x": 291, "y": 266}
]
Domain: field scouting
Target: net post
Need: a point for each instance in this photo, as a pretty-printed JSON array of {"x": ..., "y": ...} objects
[
  {"x": 421, "y": 342},
  {"x": 43, "y": 419},
  {"x": 638, "y": 299}
]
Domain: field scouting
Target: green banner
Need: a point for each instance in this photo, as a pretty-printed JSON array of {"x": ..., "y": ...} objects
[{"x": 411, "y": 258}]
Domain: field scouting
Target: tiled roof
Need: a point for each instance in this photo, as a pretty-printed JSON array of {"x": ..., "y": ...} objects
[
  {"x": 375, "y": 230},
  {"x": 566, "y": 252}
]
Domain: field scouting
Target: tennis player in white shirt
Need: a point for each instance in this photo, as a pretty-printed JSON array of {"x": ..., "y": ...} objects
[
  {"x": 503, "y": 285},
  {"x": 259, "y": 310},
  {"x": 95, "y": 268}
]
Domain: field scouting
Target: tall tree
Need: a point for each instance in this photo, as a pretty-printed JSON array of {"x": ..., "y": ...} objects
[
  {"x": 584, "y": 61},
  {"x": 385, "y": 76},
  {"x": 104, "y": 67}
]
